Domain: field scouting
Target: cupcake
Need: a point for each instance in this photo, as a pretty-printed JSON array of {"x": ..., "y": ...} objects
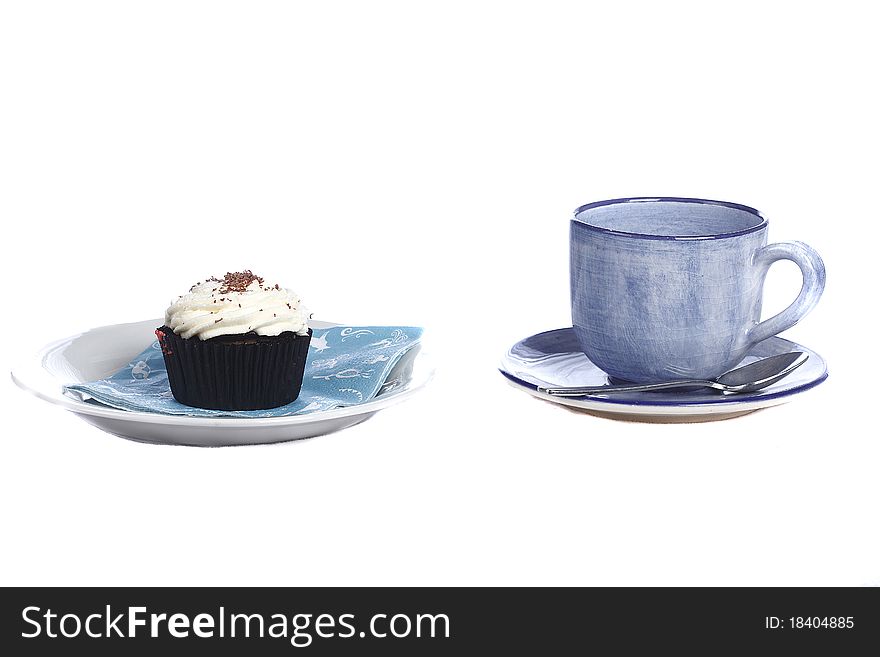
[{"x": 235, "y": 343}]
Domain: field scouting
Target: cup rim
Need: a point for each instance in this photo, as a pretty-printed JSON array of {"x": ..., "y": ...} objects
[{"x": 670, "y": 199}]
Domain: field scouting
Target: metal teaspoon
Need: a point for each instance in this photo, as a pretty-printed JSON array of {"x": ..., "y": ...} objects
[{"x": 747, "y": 378}]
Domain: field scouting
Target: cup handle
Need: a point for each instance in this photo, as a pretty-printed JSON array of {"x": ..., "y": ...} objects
[{"x": 813, "y": 272}]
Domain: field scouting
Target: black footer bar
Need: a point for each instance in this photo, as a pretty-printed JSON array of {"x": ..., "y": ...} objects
[{"x": 427, "y": 621}]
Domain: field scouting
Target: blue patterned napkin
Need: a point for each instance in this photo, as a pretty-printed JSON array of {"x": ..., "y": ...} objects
[{"x": 346, "y": 365}]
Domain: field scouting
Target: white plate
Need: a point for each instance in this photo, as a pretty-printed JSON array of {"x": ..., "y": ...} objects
[{"x": 101, "y": 351}]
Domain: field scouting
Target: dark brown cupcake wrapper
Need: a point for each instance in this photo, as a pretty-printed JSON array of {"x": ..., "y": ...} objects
[{"x": 235, "y": 372}]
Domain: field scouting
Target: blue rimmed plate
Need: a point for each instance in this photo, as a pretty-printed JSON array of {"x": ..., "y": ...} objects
[{"x": 554, "y": 359}]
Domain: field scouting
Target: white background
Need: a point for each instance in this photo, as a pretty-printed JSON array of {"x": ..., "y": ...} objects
[{"x": 399, "y": 162}]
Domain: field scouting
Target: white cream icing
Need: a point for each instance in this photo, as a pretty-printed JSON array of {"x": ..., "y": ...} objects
[{"x": 235, "y": 304}]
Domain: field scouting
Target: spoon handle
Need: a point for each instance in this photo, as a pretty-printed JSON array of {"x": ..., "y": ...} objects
[{"x": 634, "y": 387}]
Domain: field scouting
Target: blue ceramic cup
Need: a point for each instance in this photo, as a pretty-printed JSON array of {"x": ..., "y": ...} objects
[{"x": 670, "y": 288}]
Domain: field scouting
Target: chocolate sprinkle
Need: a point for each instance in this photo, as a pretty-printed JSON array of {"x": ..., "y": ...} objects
[{"x": 238, "y": 281}]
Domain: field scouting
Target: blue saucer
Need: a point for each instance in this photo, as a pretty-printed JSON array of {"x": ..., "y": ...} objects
[{"x": 554, "y": 359}]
